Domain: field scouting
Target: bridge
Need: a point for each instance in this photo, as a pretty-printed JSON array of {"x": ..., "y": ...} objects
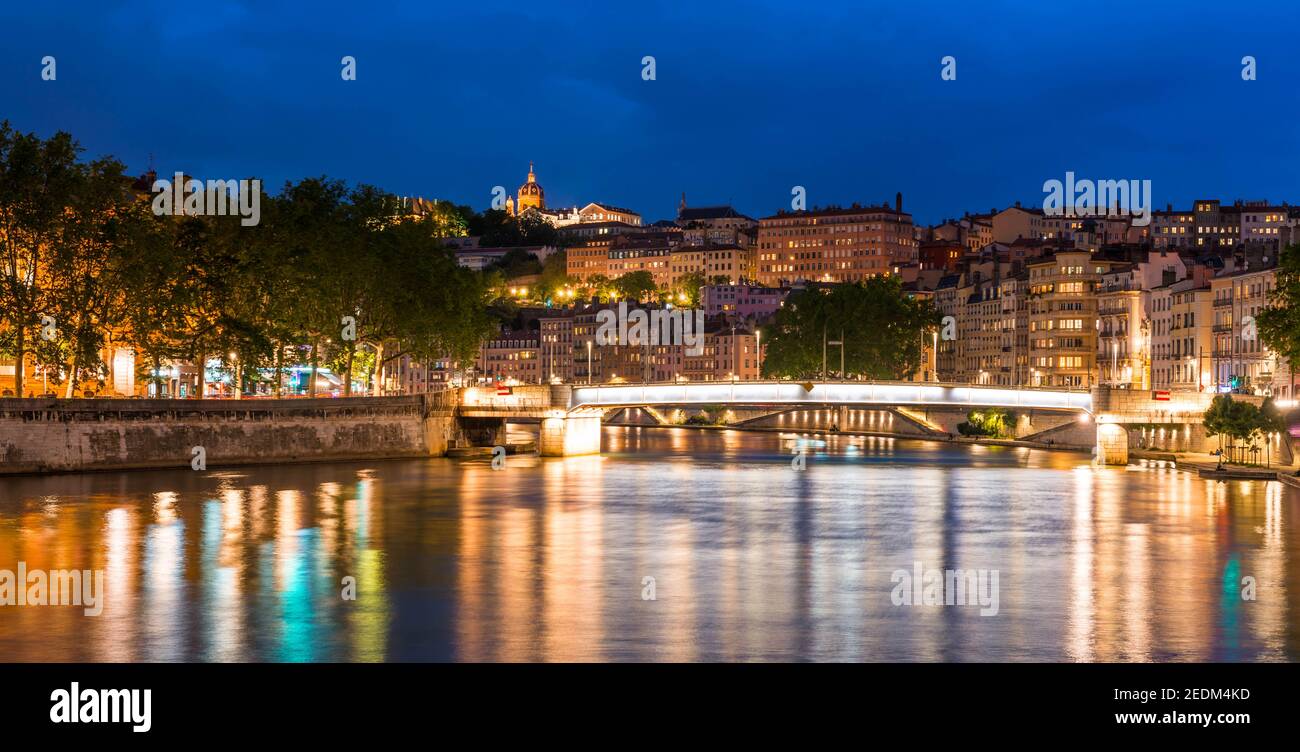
[
  {"x": 829, "y": 393},
  {"x": 1108, "y": 421},
  {"x": 571, "y": 416}
]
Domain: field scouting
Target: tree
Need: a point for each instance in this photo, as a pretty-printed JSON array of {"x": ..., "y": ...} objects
[
  {"x": 635, "y": 285},
  {"x": 38, "y": 183},
  {"x": 1242, "y": 421},
  {"x": 688, "y": 289},
  {"x": 879, "y": 325},
  {"x": 994, "y": 421},
  {"x": 1279, "y": 323},
  {"x": 515, "y": 263},
  {"x": 86, "y": 267},
  {"x": 497, "y": 229}
]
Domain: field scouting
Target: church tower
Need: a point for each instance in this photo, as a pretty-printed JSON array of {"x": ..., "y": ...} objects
[{"x": 530, "y": 193}]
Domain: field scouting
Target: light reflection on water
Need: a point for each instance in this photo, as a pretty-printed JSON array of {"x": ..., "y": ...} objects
[{"x": 545, "y": 559}]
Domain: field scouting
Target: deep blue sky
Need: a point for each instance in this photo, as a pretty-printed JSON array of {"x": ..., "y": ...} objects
[{"x": 751, "y": 98}]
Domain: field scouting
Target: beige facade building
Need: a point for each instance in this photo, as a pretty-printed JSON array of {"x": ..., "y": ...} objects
[
  {"x": 1063, "y": 318},
  {"x": 1123, "y": 329},
  {"x": 1240, "y": 359},
  {"x": 833, "y": 245},
  {"x": 1182, "y": 340}
]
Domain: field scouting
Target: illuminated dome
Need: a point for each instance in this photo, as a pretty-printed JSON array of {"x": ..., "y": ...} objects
[{"x": 531, "y": 193}]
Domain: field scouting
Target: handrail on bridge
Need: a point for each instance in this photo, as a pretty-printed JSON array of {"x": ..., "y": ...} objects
[{"x": 829, "y": 392}]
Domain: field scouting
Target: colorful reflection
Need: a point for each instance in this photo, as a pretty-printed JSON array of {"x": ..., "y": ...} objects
[{"x": 674, "y": 545}]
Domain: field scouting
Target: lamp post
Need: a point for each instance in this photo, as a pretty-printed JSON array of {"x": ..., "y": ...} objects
[
  {"x": 234, "y": 359},
  {"x": 758, "y": 345},
  {"x": 934, "y": 355},
  {"x": 588, "y": 361}
]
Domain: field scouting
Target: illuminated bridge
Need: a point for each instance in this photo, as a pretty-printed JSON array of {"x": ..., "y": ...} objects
[
  {"x": 822, "y": 394},
  {"x": 1107, "y": 421},
  {"x": 571, "y": 415}
]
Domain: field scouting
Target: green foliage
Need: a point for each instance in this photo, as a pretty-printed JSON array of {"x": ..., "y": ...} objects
[
  {"x": 881, "y": 327},
  {"x": 1241, "y": 421},
  {"x": 993, "y": 422},
  {"x": 497, "y": 229},
  {"x": 77, "y": 246},
  {"x": 687, "y": 291},
  {"x": 516, "y": 263},
  {"x": 1279, "y": 323},
  {"x": 635, "y": 285}
]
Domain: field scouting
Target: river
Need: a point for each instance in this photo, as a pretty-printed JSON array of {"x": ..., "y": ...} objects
[{"x": 673, "y": 545}]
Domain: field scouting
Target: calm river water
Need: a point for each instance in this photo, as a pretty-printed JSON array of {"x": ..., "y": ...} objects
[{"x": 552, "y": 560}]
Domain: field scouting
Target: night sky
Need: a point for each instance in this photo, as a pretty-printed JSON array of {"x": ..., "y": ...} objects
[{"x": 751, "y": 98}]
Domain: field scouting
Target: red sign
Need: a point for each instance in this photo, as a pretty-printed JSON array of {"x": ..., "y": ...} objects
[
  {"x": 503, "y": 390},
  {"x": 1160, "y": 395}
]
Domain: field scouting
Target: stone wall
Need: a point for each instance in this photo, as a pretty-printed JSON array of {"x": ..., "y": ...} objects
[{"x": 53, "y": 435}]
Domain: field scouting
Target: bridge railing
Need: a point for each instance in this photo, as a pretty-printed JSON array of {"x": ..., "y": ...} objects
[{"x": 837, "y": 392}]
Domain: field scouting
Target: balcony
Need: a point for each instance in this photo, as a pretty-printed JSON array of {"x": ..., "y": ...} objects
[{"x": 1222, "y": 302}]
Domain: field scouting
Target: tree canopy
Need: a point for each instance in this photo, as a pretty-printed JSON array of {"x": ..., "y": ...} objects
[{"x": 881, "y": 328}]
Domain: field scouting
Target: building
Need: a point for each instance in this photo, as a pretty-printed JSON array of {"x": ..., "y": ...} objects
[
  {"x": 834, "y": 244},
  {"x": 1241, "y": 362},
  {"x": 600, "y": 213},
  {"x": 1017, "y": 222},
  {"x": 531, "y": 197},
  {"x": 1123, "y": 336},
  {"x": 1063, "y": 318},
  {"x": 479, "y": 258},
  {"x": 1182, "y": 340},
  {"x": 742, "y": 302},
  {"x": 511, "y": 357},
  {"x": 555, "y": 346}
]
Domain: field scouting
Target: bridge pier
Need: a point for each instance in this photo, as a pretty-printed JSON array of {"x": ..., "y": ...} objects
[
  {"x": 565, "y": 434},
  {"x": 1112, "y": 444}
]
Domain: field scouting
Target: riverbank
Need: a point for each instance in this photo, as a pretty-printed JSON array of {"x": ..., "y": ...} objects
[
  {"x": 39, "y": 436},
  {"x": 1207, "y": 466}
]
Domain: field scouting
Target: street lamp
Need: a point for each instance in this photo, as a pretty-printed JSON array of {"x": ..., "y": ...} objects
[
  {"x": 758, "y": 344},
  {"x": 234, "y": 359},
  {"x": 588, "y": 361}
]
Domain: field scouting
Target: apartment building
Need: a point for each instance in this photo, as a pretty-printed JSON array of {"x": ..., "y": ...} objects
[
  {"x": 730, "y": 262},
  {"x": 743, "y": 302},
  {"x": 1017, "y": 222},
  {"x": 511, "y": 357},
  {"x": 834, "y": 244},
  {"x": 1063, "y": 318},
  {"x": 555, "y": 334},
  {"x": 1182, "y": 340},
  {"x": 1241, "y": 362},
  {"x": 1123, "y": 335}
]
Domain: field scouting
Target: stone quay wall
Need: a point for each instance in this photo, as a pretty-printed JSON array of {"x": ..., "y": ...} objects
[{"x": 56, "y": 435}]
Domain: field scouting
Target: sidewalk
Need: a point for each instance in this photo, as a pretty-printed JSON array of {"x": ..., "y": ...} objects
[{"x": 1209, "y": 462}]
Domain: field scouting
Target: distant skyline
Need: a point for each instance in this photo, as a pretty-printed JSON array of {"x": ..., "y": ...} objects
[{"x": 750, "y": 98}]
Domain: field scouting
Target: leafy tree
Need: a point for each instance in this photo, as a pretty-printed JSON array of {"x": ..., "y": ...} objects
[
  {"x": 635, "y": 285},
  {"x": 516, "y": 262},
  {"x": 1279, "y": 323},
  {"x": 597, "y": 286},
  {"x": 688, "y": 289},
  {"x": 994, "y": 421},
  {"x": 880, "y": 327},
  {"x": 38, "y": 184},
  {"x": 1241, "y": 421},
  {"x": 497, "y": 229}
]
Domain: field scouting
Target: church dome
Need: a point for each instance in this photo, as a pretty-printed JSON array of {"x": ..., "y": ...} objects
[{"x": 531, "y": 193}]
